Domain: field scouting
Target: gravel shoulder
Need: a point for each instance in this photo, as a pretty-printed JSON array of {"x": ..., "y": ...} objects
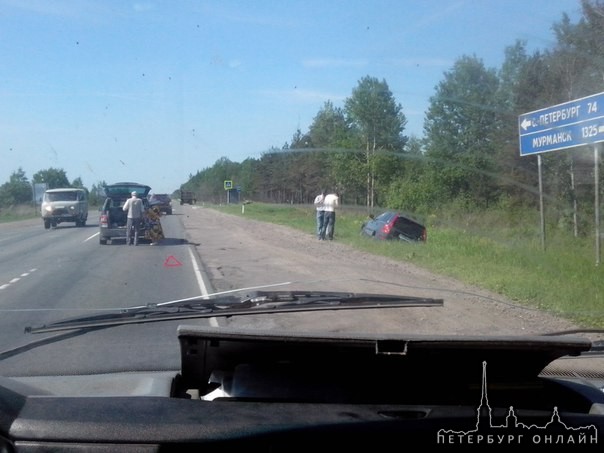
[{"x": 238, "y": 252}]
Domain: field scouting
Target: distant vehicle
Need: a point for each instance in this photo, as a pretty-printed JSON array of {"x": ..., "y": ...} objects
[
  {"x": 393, "y": 225},
  {"x": 186, "y": 196},
  {"x": 64, "y": 205},
  {"x": 112, "y": 218},
  {"x": 162, "y": 201}
]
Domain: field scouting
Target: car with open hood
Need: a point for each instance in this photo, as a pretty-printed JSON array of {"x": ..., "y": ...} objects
[
  {"x": 112, "y": 217},
  {"x": 471, "y": 131}
]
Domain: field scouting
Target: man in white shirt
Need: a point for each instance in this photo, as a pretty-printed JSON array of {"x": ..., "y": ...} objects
[
  {"x": 330, "y": 203},
  {"x": 320, "y": 212},
  {"x": 135, "y": 208}
]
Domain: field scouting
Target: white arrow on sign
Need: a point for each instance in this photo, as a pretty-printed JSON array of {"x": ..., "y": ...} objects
[{"x": 526, "y": 123}]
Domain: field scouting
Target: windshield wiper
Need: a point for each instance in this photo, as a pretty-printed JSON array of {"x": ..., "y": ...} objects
[
  {"x": 597, "y": 346},
  {"x": 258, "y": 302}
]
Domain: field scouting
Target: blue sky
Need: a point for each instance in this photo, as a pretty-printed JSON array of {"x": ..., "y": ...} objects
[{"x": 153, "y": 91}]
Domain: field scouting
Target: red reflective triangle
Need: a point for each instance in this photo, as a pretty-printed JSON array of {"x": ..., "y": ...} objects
[{"x": 172, "y": 262}]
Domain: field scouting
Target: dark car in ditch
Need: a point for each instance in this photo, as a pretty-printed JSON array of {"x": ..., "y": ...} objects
[
  {"x": 394, "y": 225},
  {"x": 112, "y": 217}
]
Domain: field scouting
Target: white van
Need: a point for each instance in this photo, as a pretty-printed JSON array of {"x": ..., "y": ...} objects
[{"x": 64, "y": 205}]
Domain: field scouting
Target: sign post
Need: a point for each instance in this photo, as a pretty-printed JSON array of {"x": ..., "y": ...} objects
[
  {"x": 38, "y": 190},
  {"x": 597, "y": 199},
  {"x": 228, "y": 185},
  {"x": 575, "y": 123}
]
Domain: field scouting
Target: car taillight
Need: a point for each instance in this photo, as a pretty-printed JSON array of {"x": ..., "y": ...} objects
[
  {"x": 388, "y": 227},
  {"x": 104, "y": 220}
]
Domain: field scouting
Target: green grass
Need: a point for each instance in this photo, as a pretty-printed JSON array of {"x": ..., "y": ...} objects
[
  {"x": 565, "y": 278},
  {"x": 15, "y": 213}
]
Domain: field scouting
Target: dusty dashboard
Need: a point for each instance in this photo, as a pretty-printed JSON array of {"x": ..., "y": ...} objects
[{"x": 282, "y": 390}]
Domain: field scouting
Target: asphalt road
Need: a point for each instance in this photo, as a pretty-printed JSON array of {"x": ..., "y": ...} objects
[{"x": 48, "y": 275}]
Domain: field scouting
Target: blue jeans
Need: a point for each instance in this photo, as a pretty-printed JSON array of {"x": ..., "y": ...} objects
[
  {"x": 320, "y": 222},
  {"x": 329, "y": 223}
]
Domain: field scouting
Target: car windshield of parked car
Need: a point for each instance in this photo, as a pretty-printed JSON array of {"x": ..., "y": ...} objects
[{"x": 461, "y": 140}]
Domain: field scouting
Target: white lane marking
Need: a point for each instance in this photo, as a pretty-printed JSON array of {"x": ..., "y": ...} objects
[
  {"x": 16, "y": 279},
  {"x": 202, "y": 286},
  {"x": 92, "y": 237}
]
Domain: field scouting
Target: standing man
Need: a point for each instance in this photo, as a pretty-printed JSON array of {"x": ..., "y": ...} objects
[
  {"x": 330, "y": 203},
  {"x": 135, "y": 208},
  {"x": 320, "y": 212}
]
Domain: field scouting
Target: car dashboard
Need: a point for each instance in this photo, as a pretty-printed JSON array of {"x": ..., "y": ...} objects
[{"x": 273, "y": 391}]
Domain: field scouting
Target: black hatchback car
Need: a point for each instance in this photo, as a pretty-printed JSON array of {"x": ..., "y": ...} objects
[
  {"x": 112, "y": 218},
  {"x": 393, "y": 225}
]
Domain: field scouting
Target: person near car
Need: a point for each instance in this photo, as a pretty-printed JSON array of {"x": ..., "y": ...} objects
[
  {"x": 330, "y": 203},
  {"x": 134, "y": 207},
  {"x": 154, "y": 229},
  {"x": 320, "y": 212}
]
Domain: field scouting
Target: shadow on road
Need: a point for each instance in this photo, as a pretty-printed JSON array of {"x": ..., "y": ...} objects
[{"x": 145, "y": 242}]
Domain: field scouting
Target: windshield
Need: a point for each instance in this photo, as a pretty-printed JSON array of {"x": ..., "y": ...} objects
[
  {"x": 272, "y": 132},
  {"x": 405, "y": 114},
  {"x": 61, "y": 196}
]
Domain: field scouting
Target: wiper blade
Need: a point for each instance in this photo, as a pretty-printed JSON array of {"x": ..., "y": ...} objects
[
  {"x": 597, "y": 345},
  {"x": 259, "y": 302}
]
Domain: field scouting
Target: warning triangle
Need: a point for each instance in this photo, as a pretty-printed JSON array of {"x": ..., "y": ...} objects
[{"x": 172, "y": 262}]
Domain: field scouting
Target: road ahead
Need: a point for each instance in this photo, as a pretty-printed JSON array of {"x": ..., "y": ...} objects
[
  {"x": 50, "y": 275},
  {"x": 47, "y": 275}
]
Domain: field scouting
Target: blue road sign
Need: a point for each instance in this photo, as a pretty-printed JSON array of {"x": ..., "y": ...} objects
[{"x": 574, "y": 123}]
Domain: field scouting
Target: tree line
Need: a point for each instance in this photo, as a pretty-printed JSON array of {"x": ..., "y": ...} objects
[
  {"x": 469, "y": 152},
  {"x": 19, "y": 189},
  {"x": 468, "y": 155}
]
